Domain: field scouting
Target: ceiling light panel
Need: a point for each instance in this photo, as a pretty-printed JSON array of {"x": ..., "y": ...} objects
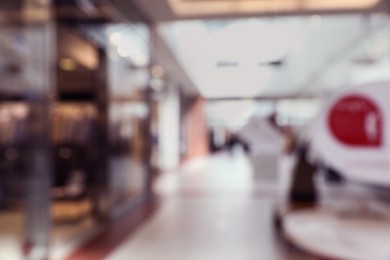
[{"x": 223, "y": 7}]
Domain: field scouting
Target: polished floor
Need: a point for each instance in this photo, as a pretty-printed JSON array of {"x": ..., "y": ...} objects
[
  {"x": 64, "y": 238},
  {"x": 214, "y": 208}
]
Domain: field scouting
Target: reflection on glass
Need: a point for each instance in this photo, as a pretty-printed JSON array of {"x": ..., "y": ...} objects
[
  {"x": 127, "y": 151},
  {"x": 74, "y": 181},
  {"x": 13, "y": 170}
]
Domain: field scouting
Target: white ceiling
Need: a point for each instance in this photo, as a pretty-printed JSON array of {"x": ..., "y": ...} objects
[{"x": 319, "y": 54}]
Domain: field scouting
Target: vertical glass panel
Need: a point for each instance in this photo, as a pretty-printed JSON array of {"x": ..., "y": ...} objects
[
  {"x": 13, "y": 171},
  {"x": 127, "y": 163},
  {"x": 128, "y": 76},
  {"x": 128, "y": 49},
  {"x": 25, "y": 55},
  {"x": 74, "y": 184}
]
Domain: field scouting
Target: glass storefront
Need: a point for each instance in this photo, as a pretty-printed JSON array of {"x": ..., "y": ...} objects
[
  {"x": 73, "y": 133},
  {"x": 127, "y": 149},
  {"x": 128, "y": 74},
  {"x": 25, "y": 87},
  {"x": 13, "y": 168}
]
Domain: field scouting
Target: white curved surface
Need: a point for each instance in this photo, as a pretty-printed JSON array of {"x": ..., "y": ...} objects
[
  {"x": 364, "y": 164},
  {"x": 328, "y": 234}
]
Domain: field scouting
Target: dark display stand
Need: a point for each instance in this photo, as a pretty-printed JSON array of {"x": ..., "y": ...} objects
[{"x": 303, "y": 189}]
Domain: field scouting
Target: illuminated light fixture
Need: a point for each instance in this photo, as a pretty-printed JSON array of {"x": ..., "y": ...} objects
[
  {"x": 274, "y": 63},
  {"x": 115, "y": 38},
  {"x": 157, "y": 71},
  {"x": 125, "y": 43},
  {"x": 124, "y": 51},
  {"x": 67, "y": 64},
  {"x": 139, "y": 59},
  {"x": 212, "y": 7},
  {"x": 221, "y": 64},
  {"x": 136, "y": 56}
]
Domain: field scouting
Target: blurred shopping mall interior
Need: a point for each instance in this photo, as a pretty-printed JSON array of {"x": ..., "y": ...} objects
[{"x": 195, "y": 129}]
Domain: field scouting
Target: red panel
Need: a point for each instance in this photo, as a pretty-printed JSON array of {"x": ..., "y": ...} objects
[{"x": 356, "y": 121}]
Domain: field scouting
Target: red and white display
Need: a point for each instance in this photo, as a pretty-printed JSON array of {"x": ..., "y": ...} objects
[{"x": 351, "y": 134}]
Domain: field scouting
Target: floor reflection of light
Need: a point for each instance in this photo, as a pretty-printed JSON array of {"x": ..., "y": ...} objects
[
  {"x": 230, "y": 174},
  {"x": 10, "y": 249},
  {"x": 195, "y": 165},
  {"x": 221, "y": 172}
]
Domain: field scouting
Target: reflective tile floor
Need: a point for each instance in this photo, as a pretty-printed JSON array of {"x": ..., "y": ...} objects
[{"x": 214, "y": 208}]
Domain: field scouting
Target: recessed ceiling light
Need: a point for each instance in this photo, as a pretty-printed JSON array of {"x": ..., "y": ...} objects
[
  {"x": 157, "y": 71},
  {"x": 67, "y": 64},
  {"x": 222, "y": 64},
  {"x": 115, "y": 38}
]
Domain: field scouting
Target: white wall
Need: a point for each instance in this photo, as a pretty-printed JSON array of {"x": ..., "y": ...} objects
[{"x": 169, "y": 130}]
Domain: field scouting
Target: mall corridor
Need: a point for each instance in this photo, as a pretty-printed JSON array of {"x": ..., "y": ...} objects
[
  {"x": 211, "y": 209},
  {"x": 194, "y": 129}
]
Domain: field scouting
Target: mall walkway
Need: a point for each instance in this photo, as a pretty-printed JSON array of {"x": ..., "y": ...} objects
[{"x": 211, "y": 210}]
